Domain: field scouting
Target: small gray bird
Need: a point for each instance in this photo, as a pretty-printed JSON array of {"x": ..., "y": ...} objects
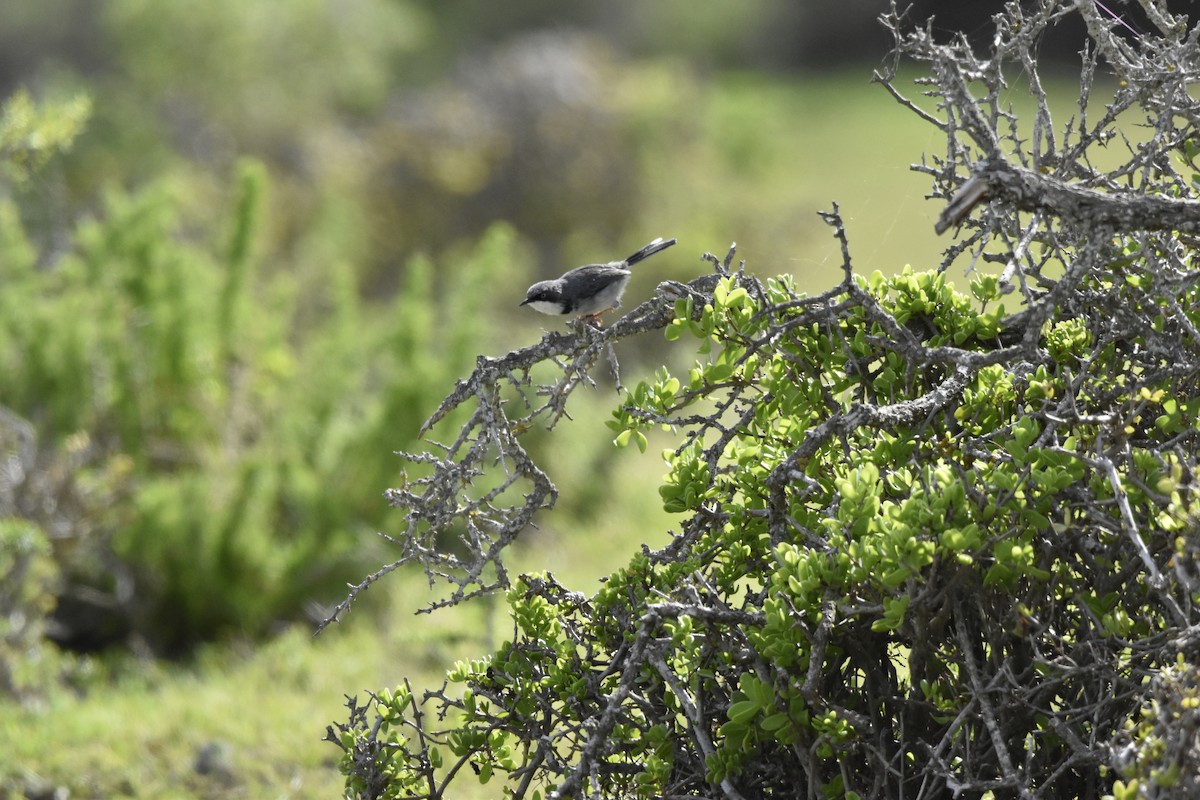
[{"x": 591, "y": 290}]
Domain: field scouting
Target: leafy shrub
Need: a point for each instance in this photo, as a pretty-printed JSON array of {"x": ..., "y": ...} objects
[
  {"x": 929, "y": 545},
  {"x": 932, "y": 562},
  {"x": 30, "y": 135}
]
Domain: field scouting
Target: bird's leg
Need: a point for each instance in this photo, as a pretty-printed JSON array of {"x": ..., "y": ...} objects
[{"x": 596, "y": 320}]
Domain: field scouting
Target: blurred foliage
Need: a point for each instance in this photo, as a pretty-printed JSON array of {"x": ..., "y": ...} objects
[
  {"x": 530, "y": 132},
  {"x": 30, "y": 136},
  {"x": 216, "y": 466},
  {"x": 426, "y": 132},
  {"x": 263, "y": 73},
  {"x": 28, "y": 578}
]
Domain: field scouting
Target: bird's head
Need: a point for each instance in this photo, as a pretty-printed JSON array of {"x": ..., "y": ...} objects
[{"x": 546, "y": 297}]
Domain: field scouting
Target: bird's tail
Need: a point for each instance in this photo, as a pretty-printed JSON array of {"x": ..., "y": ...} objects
[{"x": 649, "y": 250}]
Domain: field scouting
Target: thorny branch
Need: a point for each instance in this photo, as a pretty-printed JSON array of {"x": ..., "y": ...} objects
[
  {"x": 988, "y": 158},
  {"x": 503, "y": 401}
]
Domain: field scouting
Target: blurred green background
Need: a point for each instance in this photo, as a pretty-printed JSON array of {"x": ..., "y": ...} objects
[{"x": 245, "y": 248}]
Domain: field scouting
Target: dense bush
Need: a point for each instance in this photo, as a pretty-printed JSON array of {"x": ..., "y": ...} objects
[{"x": 930, "y": 545}]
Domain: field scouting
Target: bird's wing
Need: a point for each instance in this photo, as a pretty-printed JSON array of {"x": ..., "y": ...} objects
[
  {"x": 592, "y": 279},
  {"x": 595, "y": 276}
]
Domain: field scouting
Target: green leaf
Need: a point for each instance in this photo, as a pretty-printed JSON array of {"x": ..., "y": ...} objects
[
  {"x": 741, "y": 712},
  {"x": 894, "y": 609},
  {"x": 773, "y": 722}
]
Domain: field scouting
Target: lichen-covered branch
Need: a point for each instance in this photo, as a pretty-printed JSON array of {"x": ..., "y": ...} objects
[{"x": 481, "y": 489}]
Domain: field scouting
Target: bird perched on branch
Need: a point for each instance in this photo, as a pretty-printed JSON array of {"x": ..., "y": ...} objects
[{"x": 591, "y": 290}]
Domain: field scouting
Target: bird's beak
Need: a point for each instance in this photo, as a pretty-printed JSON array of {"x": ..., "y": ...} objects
[{"x": 523, "y": 302}]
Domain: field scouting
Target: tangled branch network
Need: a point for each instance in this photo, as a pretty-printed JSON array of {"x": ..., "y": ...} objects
[{"x": 482, "y": 488}]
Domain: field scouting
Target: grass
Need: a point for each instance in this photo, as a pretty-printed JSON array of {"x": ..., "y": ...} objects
[{"x": 138, "y": 734}]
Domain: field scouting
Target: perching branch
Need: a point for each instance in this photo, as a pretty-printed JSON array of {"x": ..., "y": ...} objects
[{"x": 446, "y": 496}]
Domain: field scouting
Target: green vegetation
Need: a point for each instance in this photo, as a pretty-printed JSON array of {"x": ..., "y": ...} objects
[
  {"x": 144, "y": 358},
  {"x": 224, "y": 425},
  {"x": 137, "y": 729},
  {"x": 242, "y": 255},
  {"x": 31, "y": 136}
]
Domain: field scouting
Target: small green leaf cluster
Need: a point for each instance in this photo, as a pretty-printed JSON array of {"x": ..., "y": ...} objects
[
  {"x": 377, "y": 757},
  {"x": 31, "y": 134},
  {"x": 658, "y": 396},
  {"x": 1068, "y": 340},
  {"x": 925, "y": 299},
  {"x": 1157, "y": 749}
]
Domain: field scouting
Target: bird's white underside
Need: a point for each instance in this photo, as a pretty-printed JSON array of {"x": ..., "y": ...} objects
[{"x": 554, "y": 309}]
